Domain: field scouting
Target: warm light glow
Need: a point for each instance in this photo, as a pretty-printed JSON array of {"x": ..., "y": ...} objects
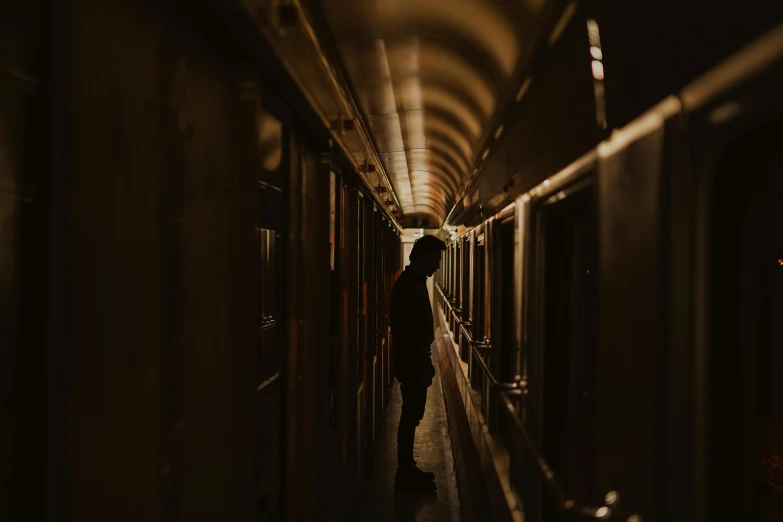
[
  {"x": 487, "y": 29},
  {"x": 565, "y": 18},
  {"x": 601, "y": 512},
  {"x": 596, "y": 52},
  {"x": 498, "y": 132},
  {"x": 443, "y": 63},
  {"x": 780, "y": 262},
  {"x": 523, "y": 89},
  {"x": 588, "y": 270},
  {"x": 443, "y": 99},
  {"x": 598, "y": 70},
  {"x": 725, "y": 112},
  {"x": 546, "y": 182},
  {"x": 270, "y": 139},
  {"x": 486, "y": 153},
  {"x": 593, "y": 34}
]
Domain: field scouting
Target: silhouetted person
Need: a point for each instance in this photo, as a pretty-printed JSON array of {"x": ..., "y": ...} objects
[{"x": 413, "y": 332}]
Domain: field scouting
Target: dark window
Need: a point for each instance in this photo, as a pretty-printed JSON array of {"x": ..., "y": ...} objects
[
  {"x": 565, "y": 354},
  {"x": 504, "y": 319},
  {"x": 746, "y": 344},
  {"x": 465, "y": 291},
  {"x": 477, "y": 377}
]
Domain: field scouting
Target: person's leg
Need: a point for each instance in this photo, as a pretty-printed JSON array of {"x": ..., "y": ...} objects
[
  {"x": 406, "y": 432},
  {"x": 419, "y": 402},
  {"x": 408, "y": 475},
  {"x": 420, "y": 405}
]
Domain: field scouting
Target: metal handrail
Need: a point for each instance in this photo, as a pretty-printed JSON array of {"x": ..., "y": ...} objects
[
  {"x": 463, "y": 327},
  {"x": 493, "y": 381},
  {"x": 445, "y": 297},
  {"x": 566, "y": 503},
  {"x": 268, "y": 323},
  {"x": 517, "y": 390},
  {"x": 269, "y": 381}
]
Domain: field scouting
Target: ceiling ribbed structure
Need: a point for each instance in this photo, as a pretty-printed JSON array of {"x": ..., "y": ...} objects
[{"x": 429, "y": 74}]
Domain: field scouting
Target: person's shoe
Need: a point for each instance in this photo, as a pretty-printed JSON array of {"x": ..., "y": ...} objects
[{"x": 409, "y": 480}]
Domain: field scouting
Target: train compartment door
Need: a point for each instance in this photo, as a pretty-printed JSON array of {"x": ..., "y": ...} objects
[
  {"x": 736, "y": 117},
  {"x": 563, "y": 355}
]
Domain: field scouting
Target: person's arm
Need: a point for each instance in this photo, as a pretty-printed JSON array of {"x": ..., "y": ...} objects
[
  {"x": 424, "y": 341},
  {"x": 403, "y": 321}
]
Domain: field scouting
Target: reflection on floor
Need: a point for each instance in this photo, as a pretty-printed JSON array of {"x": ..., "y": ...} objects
[{"x": 432, "y": 452}]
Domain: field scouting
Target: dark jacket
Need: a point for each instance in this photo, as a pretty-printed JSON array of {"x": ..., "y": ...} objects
[{"x": 412, "y": 328}]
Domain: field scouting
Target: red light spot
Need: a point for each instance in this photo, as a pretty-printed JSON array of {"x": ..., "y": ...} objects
[{"x": 588, "y": 270}]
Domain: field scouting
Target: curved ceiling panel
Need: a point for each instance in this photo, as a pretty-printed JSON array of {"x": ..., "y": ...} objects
[
  {"x": 440, "y": 180},
  {"x": 434, "y": 61},
  {"x": 429, "y": 179},
  {"x": 486, "y": 29},
  {"x": 428, "y": 75},
  {"x": 433, "y": 202},
  {"x": 414, "y": 94},
  {"x": 435, "y": 182},
  {"x": 429, "y": 159}
]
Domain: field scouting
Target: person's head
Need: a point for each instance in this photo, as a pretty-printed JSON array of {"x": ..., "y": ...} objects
[{"x": 425, "y": 254}]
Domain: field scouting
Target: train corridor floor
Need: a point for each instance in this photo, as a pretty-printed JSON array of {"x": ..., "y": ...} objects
[{"x": 432, "y": 451}]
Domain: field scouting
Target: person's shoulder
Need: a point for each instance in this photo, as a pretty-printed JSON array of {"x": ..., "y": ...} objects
[{"x": 403, "y": 280}]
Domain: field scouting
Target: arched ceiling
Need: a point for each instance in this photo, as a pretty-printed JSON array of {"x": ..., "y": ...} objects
[{"x": 429, "y": 75}]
